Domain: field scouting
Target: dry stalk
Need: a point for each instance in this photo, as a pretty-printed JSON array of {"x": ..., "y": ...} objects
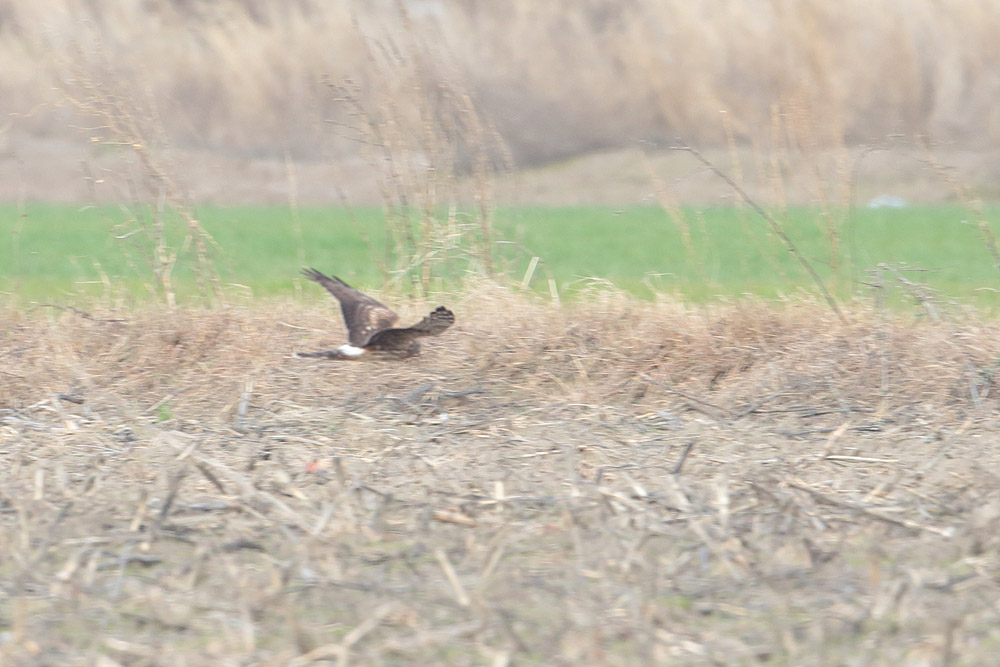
[
  {"x": 673, "y": 209},
  {"x": 342, "y": 650},
  {"x": 973, "y": 204},
  {"x": 852, "y": 204},
  {"x": 818, "y": 133},
  {"x": 129, "y": 120},
  {"x": 422, "y": 128},
  {"x": 870, "y": 512},
  {"x": 775, "y": 227},
  {"x": 333, "y": 490},
  {"x": 461, "y": 597},
  {"x": 960, "y": 190}
]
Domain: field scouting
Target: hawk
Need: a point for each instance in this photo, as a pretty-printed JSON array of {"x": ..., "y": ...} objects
[{"x": 369, "y": 324}]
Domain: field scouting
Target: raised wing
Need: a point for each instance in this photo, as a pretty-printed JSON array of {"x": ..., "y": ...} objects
[
  {"x": 363, "y": 315},
  {"x": 432, "y": 325}
]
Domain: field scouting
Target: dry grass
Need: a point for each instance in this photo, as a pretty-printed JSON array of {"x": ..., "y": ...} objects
[
  {"x": 605, "y": 483},
  {"x": 559, "y": 79},
  {"x": 231, "y": 100},
  {"x": 609, "y": 483}
]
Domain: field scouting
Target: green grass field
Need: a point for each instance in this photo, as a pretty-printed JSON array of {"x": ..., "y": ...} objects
[{"x": 58, "y": 252}]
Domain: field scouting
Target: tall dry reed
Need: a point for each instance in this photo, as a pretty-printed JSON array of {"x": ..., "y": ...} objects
[{"x": 558, "y": 78}]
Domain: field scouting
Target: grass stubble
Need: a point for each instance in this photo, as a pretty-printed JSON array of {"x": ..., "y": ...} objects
[
  {"x": 601, "y": 482},
  {"x": 605, "y": 482}
]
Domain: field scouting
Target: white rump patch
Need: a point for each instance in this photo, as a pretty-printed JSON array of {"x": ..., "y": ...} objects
[{"x": 349, "y": 350}]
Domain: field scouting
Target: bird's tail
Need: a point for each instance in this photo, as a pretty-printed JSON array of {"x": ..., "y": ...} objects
[
  {"x": 324, "y": 354},
  {"x": 432, "y": 325}
]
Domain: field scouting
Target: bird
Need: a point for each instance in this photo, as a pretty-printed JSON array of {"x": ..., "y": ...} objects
[{"x": 370, "y": 324}]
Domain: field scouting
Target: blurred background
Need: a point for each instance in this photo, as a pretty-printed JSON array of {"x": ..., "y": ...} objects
[{"x": 234, "y": 93}]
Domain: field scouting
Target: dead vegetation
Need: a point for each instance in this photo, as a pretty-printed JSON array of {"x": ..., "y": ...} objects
[
  {"x": 606, "y": 483},
  {"x": 450, "y": 91},
  {"x": 560, "y": 79}
]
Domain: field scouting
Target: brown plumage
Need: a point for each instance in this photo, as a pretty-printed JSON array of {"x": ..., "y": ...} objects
[{"x": 369, "y": 323}]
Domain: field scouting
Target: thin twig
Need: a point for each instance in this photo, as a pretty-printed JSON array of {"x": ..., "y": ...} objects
[
  {"x": 461, "y": 597},
  {"x": 689, "y": 397},
  {"x": 775, "y": 227},
  {"x": 82, "y": 313},
  {"x": 836, "y": 502},
  {"x": 684, "y": 455}
]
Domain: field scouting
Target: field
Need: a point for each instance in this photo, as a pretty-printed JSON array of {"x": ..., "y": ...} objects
[
  {"x": 701, "y": 404},
  {"x": 682, "y": 456},
  {"x": 61, "y": 252},
  {"x": 606, "y": 482}
]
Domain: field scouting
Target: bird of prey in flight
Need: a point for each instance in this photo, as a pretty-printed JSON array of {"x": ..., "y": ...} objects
[{"x": 370, "y": 324}]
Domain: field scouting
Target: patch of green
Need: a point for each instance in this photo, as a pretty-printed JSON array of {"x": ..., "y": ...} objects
[
  {"x": 729, "y": 252},
  {"x": 55, "y": 251},
  {"x": 678, "y": 602},
  {"x": 58, "y": 252}
]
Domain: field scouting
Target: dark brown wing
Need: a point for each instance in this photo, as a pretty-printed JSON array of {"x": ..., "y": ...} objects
[
  {"x": 396, "y": 339},
  {"x": 363, "y": 315}
]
